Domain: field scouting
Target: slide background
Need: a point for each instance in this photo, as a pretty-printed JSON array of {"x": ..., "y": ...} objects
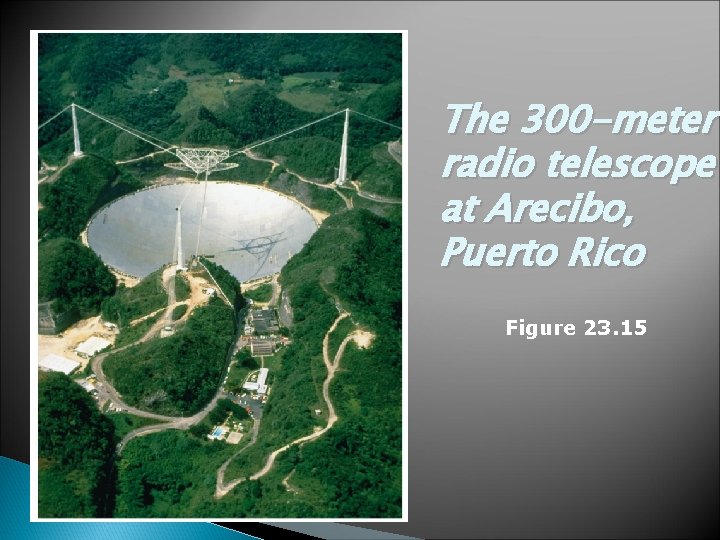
[{"x": 557, "y": 437}]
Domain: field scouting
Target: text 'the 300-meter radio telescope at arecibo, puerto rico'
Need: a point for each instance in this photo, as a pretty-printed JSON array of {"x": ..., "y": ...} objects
[{"x": 206, "y": 160}]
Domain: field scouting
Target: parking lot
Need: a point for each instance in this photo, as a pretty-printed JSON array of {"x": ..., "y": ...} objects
[{"x": 246, "y": 400}]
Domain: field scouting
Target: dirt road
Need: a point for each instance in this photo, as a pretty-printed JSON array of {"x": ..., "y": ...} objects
[
  {"x": 395, "y": 150},
  {"x": 363, "y": 339},
  {"x": 315, "y": 213},
  {"x": 197, "y": 297},
  {"x": 221, "y": 488}
]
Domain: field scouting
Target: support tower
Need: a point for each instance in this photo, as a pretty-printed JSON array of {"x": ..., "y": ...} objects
[
  {"x": 76, "y": 133},
  {"x": 342, "y": 170}
]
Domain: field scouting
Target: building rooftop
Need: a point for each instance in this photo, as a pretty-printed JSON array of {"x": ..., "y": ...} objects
[
  {"x": 264, "y": 320},
  {"x": 92, "y": 345},
  {"x": 262, "y": 347},
  {"x": 262, "y": 376},
  {"x": 54, "y": 362}
]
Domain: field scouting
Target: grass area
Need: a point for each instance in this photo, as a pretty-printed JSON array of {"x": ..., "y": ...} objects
[
  {"x": 312, "y": 101},
  {"x": 381, "y": 174},
  {"x": 262, "y": 293},
  {"x": 130, "y": 303},
  {"x": 208, "y": 93},
  {"x": 211, "y": 91},
  {"x": 320, "y": 92},
  {"x": 182, "y": 288},
  {"x": 125, "y": 423},
  {"x": 274, "y": 362},
  {"x": 130, "y": 334},
  {"x": 299, "y": 79},
  {"x": 179, "y": 311},
  {"x": 315, "y": 197},
  {"x": 236, "y": 378},
  {"x": 248, "y": 170}
]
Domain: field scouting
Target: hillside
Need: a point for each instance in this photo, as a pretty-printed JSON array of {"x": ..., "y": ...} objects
[
  {"x": 78, "y": 191},
  {"x": 76, "y": 445},
  {"x": 73, "y": 276},
  {"x": 354, "y": 256},
  {"x": 355, "y": 469},
  {"x": 225, "y": 90},
  {"x": 230, "y": 91},
  {"x": 177, "y": 374}
]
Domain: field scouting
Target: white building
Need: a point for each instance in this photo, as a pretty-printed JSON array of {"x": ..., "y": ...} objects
[
  {"x": 88, "y": 386},
  {"x": 92, "y": 346},
  {"x": 259, "y": 385},
  {"x": 54, "y": 362},
  {"x": 262, "y": 377}
]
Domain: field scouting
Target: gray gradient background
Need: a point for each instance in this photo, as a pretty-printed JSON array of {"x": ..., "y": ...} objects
[{"x": 560, "y": 437}]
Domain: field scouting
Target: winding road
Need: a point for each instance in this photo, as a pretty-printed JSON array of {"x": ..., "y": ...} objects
[
  {"x": 222, "y": 488},
  {"x": 331, "y": 186},
  {"x": 363, "y": 339},
  {"x": 360, "y": 337},
  {"x": 167, "y": 422},
  {"x": 372, "y": 196},
  {"x": 355, "y": 187}
]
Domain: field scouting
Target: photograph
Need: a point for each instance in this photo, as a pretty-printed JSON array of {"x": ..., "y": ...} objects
[{"x": 219, "y": 277}]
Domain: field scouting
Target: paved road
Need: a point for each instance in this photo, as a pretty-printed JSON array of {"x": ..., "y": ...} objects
[
  {"x": 177, "y": 422},
  {"x": 222, "y": 488},
  {"x": 168, "y": 422}
]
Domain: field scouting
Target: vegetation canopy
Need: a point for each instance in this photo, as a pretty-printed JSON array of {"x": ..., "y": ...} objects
[{"x": 229, "y": 91}]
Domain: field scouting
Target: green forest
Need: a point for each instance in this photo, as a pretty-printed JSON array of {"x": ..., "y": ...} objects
[
  {"x": 131, "y": 303},
  {"x": 73, "y": 277},
  {"x": 76, "y": 445},
  {"x": 180, "y": 373},
  {"x": 364, "y": 446},
  {"x": 353, "y": 255},
  {"x": 226, "y": 281},
  {"x": 261, "y": 293},
  {"x": 176, "y": 88},
  {"x": 80, "y": 189},
  {"x": 227, "y": 90}
]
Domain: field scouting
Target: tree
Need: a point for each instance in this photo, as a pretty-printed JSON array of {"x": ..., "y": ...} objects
[
  {"x": 81, "y": 188},
  {"x": 74, "y": 276},
  {"x": 76, "y": 446}
]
